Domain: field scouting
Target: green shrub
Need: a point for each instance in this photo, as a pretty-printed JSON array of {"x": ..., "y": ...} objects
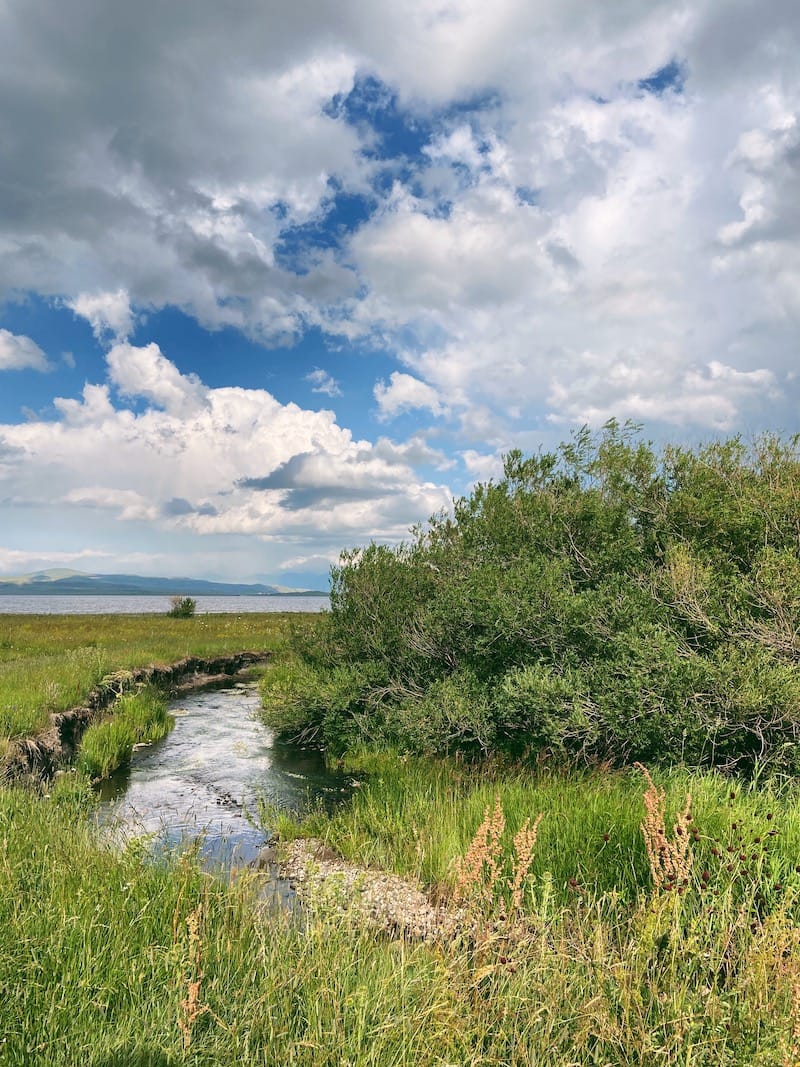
[
  {"x": 329, "y": 707},
  {"x": 454, "y": 713},
  {"x": 545, "y": 708},
  {"x": 604, "y": 600},
  {"x": 182, "y": 607}
]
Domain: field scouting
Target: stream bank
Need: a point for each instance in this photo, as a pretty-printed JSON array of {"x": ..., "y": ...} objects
[
  {"x": 38, "y": 758},
  {"x": 383, "y": 901},
  {"x": 202, "y": 786}
]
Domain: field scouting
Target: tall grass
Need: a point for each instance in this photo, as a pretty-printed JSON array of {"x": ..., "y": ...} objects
[
  {"x": 50, "y": 662},
  {"x": 105, "y": 960},
  {"x": 590, "y": 956},
  {"x": 417, "y": 816},
  {"x": 136, "y": 718}
]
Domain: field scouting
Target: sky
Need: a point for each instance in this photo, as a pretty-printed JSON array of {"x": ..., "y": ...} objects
[{"x": 277, "y": 280}]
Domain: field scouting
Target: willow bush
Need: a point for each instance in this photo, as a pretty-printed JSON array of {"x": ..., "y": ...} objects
[{"x": 606, "y": 600}]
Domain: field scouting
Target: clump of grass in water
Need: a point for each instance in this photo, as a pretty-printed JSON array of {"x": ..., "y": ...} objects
[{"x": 137, "y": 718}]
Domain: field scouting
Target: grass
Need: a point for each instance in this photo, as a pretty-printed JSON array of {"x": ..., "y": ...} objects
[
  {"x": 598, "y": 957},
  {"x": 105, "y": 960},
  {"x": 417, "y": 816},
  {"x": 50, "y": 662},
  {"x": 136, "y": 718}
]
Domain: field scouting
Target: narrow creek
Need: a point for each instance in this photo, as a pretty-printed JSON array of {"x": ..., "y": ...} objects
[{"x": 204, "y": 780}]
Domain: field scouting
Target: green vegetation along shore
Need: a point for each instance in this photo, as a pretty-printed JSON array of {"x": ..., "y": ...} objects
[
  {"x": 570, "y": 710},
  {"x": 108, "y": 959},
  {"x": 49, "y": 663}
]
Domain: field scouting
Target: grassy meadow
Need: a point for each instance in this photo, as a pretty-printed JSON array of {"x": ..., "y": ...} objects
[
  {"x": 627, "y": 926},
  {"x": 50, "y": 662},
  {"x": 106, "y": 959}
]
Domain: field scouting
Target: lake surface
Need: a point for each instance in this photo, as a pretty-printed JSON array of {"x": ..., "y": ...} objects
[
  {"x": 203, "y": 782},
  {"x": 155, "y": 605}
]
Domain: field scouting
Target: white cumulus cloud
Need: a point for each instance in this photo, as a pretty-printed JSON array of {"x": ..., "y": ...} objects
[
  {"x": 322, "y": 382},
  {"x": 109, "y": 314},
  {"x": 405, "y": 393},
  {"x": 146, "y": 372},
  {"x": 18, "y": 352},
  {"x": 219, "y": 463}
]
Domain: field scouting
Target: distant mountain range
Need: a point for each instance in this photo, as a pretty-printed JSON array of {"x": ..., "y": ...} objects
[{"x": 75, "y": 583}]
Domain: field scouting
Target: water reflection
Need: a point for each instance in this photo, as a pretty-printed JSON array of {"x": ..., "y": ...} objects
[{"x": 202, "y": 783}]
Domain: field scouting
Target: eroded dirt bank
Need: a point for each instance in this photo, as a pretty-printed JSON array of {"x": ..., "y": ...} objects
[{"x": 39, "y": 757}]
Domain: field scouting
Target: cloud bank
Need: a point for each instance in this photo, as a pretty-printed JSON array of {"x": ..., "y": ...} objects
[
  {"x": 243, "y": 463},
  {"x": 536, "y": 215}
]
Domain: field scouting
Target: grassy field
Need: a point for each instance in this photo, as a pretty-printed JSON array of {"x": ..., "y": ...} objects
[
  {"x": 623, "y": 928},
  {"x": 106, "y": 960},
  {"x": 50, "y": 662}
]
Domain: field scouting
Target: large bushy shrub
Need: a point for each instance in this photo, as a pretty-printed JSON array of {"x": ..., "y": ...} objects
[{"x": 606, "y": 600}]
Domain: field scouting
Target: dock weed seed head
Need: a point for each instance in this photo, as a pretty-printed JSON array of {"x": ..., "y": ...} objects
[
  {"x": 670, "y": 859},
  {"x": 483, "y": 881},
  {"x": 191, "y": 1007},
  {"x": 524, "y": 844},
  {"x": 477, "y": 872}
]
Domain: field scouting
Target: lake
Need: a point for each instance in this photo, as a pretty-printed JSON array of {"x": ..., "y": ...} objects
[{"x": 155, "y": 605}]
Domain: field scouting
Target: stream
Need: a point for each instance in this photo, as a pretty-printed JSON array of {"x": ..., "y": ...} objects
[{"x": 203, "y": 781}]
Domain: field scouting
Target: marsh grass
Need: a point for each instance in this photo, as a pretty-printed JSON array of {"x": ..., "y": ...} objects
[
  {"x": 105, "y": 959},
  {"x": 134, "y": 719},
  {"x": 418, "y": 816},
  {"x": 50, "y": 662}
]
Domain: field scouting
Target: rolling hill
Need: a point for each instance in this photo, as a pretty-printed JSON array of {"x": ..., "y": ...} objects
[{"x": 58, "y": 581}]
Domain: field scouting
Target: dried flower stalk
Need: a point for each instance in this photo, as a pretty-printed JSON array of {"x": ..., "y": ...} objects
[
  {"x": 524, "y": 843},
  {"x": 670, "y": 860},
  {"x": 478, "y": 871},
  {"x": 190, "y": 1007}
]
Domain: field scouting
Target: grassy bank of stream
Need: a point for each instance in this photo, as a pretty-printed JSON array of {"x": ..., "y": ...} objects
[
  {"x": 107, "y": 960},
  {"x": 48, "y": 663},
  {"x": 584, "y": 945}
]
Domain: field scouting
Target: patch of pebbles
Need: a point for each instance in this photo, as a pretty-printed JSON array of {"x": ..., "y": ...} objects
[{"x": 384, "y": 901}]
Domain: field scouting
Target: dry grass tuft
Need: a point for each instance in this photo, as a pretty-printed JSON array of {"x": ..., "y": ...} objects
[
  {"x": 670, "y": 860},
  {"x": 481, "y": 879}
]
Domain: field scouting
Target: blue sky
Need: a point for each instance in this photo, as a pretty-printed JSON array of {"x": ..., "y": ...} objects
[{"x": 283, "y": 283}]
